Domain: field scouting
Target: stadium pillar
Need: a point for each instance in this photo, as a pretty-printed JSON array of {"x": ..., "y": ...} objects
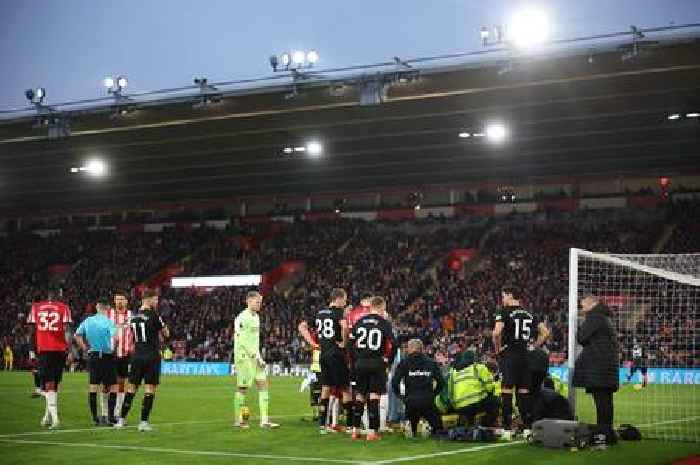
[
  {"x": 244, "y": 208},
  {"x": 453, "y": 196},
  {"x": 308, "y": 203}
]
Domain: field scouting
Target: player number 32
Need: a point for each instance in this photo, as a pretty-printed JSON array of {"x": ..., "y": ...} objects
[{"x": 48, "y": 320}]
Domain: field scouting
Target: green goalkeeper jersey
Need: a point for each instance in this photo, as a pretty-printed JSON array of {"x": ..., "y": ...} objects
[{"x": 247, "y": 334}]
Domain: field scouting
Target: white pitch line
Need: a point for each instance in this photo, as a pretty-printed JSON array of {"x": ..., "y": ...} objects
[
  {"x": 449, "y": 452},
  {"x": 185, "y": 451},
  {"x": 100, "y": 429},
  {"x": 682, "y": 420}
]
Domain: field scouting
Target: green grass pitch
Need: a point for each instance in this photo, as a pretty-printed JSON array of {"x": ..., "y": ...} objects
[{"x": 192, "y": 420}]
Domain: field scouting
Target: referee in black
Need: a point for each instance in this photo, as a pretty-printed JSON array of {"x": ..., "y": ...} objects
[{"x": 94, "y": 335}]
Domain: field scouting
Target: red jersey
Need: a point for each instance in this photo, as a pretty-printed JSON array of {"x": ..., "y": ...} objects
[
  {"x": 50, "y": 319},
  {"x": 355, "y": 315},
  {"x": 123, "y": 340}
]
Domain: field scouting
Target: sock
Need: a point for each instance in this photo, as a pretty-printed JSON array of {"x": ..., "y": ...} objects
[
  {"x": 322, "y": 411},
  {"x": 128, "y": 399},
  {"x": 373, "y": 413},
  {"x": 119, "y": 404},
  {"x": 358, "y": 410},
  {"x": 349, "y": 413},
  {"x": 92, "y": 401},
  {"x": 52, "y": 404},
  {"x": 147, "y": 406},
  {"x": 263, "y": 401},
  {"x": 111, "y": 404},
  {"x": 238, "y": 403},
  {"x": 103, "y": 404},
  {"x": 507, "y": 400},
  {"x": 383, "y": 410},
  {"x": 524, "y": 405}
]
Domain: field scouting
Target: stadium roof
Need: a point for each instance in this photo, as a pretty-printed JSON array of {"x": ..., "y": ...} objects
[{"x": 575, "y": 114}]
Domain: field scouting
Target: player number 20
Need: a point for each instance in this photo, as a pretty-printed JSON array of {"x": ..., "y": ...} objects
[
  {"x": 371, "y": 338},
  {"x": 522, "y": 329},
  {"x": 325, "y": 328}
]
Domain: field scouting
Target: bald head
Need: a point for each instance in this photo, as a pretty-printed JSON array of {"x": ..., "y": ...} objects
[{"x": 414, "y": 346}]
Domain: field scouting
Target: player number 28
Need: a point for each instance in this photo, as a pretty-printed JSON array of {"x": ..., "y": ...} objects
[
  {"x": 48, "y": 320},
  {"x": 325, "y": 328},
  {"x": 371, "y": 339}
]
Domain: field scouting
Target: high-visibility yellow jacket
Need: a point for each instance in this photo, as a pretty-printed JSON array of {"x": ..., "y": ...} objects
[{"x": 465, "y": 387}]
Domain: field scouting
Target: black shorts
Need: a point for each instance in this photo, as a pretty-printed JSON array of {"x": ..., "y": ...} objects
[
  {"x": 334, "y": 369},
  {"x": 146, "y": 369},
  {"x": 370, "y": 376},
  {"x": 51, "y": 365},
  {"x": 102, "y": 369},
  {"x": 515, "y": 369},
  {"x": 638, "y": 364},
  {"x": 122, "y": 367}
]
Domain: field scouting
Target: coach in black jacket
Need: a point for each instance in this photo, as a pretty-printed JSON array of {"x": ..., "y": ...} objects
[
  {"x": 597, "y": 367},
  {"x": 422, "y": 380}
]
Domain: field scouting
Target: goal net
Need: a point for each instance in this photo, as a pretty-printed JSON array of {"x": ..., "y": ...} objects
[{"x": 655, "y": 302}]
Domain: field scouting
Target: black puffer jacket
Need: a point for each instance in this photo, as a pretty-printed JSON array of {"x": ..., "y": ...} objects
[{"x": 598, "y": 364}]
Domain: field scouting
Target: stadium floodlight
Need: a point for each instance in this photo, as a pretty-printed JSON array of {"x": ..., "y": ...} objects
[
  {"x": 241, "y": 280},
  {"x": 286, "y": 60},
  {"x": 478, "y": 134},
  {"x": 288, "y": 150},
  {"x": 464, "y": 135},
  {"x": 528, "y": 28},
  {"x": 314, "y": 148},
  {"x": 274, "y": 62},
  {"x": 496, "y": 132},
  {"x": 312, "y": 57},
  {"x": 298, "y": 57},
  {"x": 96, "y": 167},
  {"x": 300, "y": 149},
  {"x": 115, "y": 85},
  {"x": 35, "y": 96},
  {"x": 674, "y": 116},
  {"x": 484, "y": 34},
  {"x": 692, "y": 115},
  {"x": 75, "y": 170}
]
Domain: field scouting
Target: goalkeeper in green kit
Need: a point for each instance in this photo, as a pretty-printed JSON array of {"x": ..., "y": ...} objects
[{"x": 249, "y": 364}]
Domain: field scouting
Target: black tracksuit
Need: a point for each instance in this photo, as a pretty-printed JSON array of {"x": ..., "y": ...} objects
[{"x": 418, "y": 372}]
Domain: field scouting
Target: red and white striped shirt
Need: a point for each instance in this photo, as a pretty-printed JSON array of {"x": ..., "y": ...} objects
[{"x": 123, "y": 340}]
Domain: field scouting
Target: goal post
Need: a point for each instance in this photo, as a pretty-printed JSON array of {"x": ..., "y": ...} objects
[{"x": 655, "y": 304}]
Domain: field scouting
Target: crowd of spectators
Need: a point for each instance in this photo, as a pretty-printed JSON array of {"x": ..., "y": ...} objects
[{"x": 450, "y": 309}]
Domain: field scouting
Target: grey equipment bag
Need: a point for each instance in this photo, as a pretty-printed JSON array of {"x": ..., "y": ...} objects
[{"x": 561, "y": 434}]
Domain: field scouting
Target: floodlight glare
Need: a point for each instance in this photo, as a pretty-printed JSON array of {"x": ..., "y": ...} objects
[
  {"x": 528, "y": 28},
  {"x": 286, "y": 59},
  {"x": 298, "y": 57},
  {"x": 312, "y": 57},
  {"x": 464, "y": 135},
  {"x": 288, "y": 150},
  {"x": 122, "y": 82},
  {"x": 674, "y": 116},
  {"x": 692, "y": 115},
  {"x": 300, "y": 149},
  {"x": 74, "y": 170},
  {"x": 96, "y": 167},
  {"x": 314, "y": 148},
  {"x": 109, "y": 82},
  {"x": 40, "y": 93},
  {"x": 496, "y": 132}
]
